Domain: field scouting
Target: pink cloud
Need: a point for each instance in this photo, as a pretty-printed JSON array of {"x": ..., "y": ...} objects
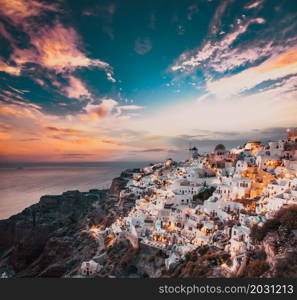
[
  {"x": 253, "y": 5},
  {"x": 103, "y": 109},
  {"x": 76, "y": 89},
  {"x": 109, "y": 108},
  {"x": 57, "y": 48},
  {"x": 4, "y": 33}
]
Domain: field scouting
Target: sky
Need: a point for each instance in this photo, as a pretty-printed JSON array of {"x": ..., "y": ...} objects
[{"x": 143, "y": 80}]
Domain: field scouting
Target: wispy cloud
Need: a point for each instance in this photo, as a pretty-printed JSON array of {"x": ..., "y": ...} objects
[
  {"x": 216, "y": 20},
  {"x": 143, "y": 45},
  {"x": 68, "y": 131},
  {"x": 191, "y": 60},
  {"x": 57, "y": 48},
  {"x": 253, "y": 4},
  {"x": 78, "y": 155},
  {"x": 150, "y": 150},
  {"x": 19, "y": 10},
  {"x": 193, "y": 9},
  {"x": 275, "y": 68},
  {"x": 108, "y": 107}
]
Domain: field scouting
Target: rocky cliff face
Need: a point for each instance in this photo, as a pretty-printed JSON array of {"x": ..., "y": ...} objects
[
  {"x": 276, "y": 251},
  {"x": 281, "y": 250},
  {"x": 120, "y": 182},
  {"x": 47, "y": 239}
]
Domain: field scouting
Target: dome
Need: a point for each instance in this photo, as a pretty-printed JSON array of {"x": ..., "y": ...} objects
[{"x": 220, "y": 148}]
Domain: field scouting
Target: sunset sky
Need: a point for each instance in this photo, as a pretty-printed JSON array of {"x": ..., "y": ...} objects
[{"x": 141, "y": 80}]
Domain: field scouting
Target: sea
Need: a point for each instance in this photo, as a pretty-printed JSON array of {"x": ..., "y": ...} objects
[{"x": 22, "y": 184}]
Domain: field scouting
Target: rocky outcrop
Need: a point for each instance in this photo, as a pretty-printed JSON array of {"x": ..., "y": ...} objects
[
  {"x": 120, "y": 182},
  {"x": 277, "y": 241},
  {"x": 117, "y": 185},
  {"x": 281, "y": 250},
  {"x": 47, "y": 239}
]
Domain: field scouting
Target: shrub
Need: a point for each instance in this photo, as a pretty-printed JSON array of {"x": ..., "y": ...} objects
[
  {"x": 259, "y": 233},
  {"x": 288, "y": 217},
  {"x": 256, "y": 268},
  {"x": 204, "y": 194}
]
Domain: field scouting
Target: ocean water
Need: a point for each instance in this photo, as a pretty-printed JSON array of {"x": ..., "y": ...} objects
[{"x": 22, "y": 184}]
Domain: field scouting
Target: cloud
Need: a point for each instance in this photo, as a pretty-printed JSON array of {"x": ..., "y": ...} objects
[
  {"x": 68, "y": 131},
  {"x": 191, "y": 60},
  {"x": 106, "y": 11},
  {"x": 272, "y": 69},
  {"x": 143, "y": 45},
  {"x": 101, "y": 110},
  {"x": 230, "y": 59},
  {"x": 216, "y": 20},
  {"x": 150, "y": 150},
  {"x": 12, "y": 70},
  {"x": 110, "y": 77},
  {"x": 253, "y": 5},
  {"x": 192, "y": 10},
  {"x": 57, "y": 48},
  {"x": 130, "y": 107},
  {"x": 21, "y": 124},
  {"x": 5, "y": 33},
  {"x": 108, "y": 107},
  {"x": 76, "y": 89},
  {"x": 19, "y": 10},
  {"x": 77, "y": 155},
  {"x": 274, "y": 107}
]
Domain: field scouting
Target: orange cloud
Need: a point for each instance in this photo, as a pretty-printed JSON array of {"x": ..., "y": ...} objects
[
  {"x": 18, "y": 10},
  {"x": 12, "y": 70},
  {"x": 69, "y": 131},
  {"x": 4, "y": 126},
  {"x": 58, "y": 49},
  {"x": 15, "y": 111},
  {"x": 28, "y": 134},
  {"x": 286, "y": 59}
]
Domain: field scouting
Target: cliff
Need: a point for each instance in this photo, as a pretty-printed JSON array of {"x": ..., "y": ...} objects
[
  {"x": 275, "y": 254},
  {"x": 120, "y": 182},
  {"x": 47, "y": 239}
]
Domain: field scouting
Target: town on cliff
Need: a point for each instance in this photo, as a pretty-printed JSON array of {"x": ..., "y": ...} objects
[
  {"x": 226, "y": 213},
  {"x": 221, "y": 199}
]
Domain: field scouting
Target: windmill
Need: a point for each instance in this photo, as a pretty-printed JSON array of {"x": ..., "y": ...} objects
[{"x": 193, "y": 151}]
